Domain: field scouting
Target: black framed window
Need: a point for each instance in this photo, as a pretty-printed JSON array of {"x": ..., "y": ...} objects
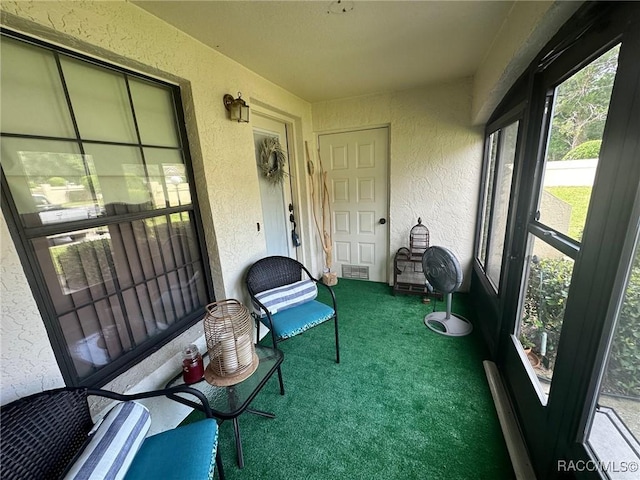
[
  {"x": 97, "y": 189},
  {"x": 500, "y": 157},
  {"x": 577, "y": 109}
]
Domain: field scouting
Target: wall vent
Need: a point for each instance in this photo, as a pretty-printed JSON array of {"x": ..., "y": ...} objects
[{"x": 355, "y": 271}]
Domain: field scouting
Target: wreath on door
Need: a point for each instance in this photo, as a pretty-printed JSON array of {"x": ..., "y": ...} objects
[{"x": 273, "y": 160}]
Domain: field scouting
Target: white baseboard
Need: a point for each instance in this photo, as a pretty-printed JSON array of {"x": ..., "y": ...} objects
[{"x": 515, "y": 444}]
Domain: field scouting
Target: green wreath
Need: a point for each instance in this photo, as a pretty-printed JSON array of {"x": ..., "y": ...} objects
[{"x": 273, "y": 171}]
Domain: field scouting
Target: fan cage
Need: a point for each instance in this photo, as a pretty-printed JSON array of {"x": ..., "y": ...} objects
[
  {"x": 442, "y": 269},
  {"x": 229, "y": 335}
]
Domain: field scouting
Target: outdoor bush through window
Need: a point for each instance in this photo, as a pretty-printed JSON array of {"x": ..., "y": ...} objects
[{"x": 98, "y": 182}]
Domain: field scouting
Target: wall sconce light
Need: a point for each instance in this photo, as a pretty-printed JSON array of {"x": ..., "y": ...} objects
[{"x": 238, "y": 108}]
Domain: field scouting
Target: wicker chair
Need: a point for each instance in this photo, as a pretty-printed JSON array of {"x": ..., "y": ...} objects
[
  {"x": 279, "y": 273},
  {"x": 42, "y": 434}
]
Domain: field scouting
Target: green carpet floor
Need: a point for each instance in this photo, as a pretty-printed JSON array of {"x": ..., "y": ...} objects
[{"x": 404, "y": 403}]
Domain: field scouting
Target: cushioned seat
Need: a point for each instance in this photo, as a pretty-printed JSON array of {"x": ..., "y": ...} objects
[
  {"x": 181, "y": 453},
  {"x": 291, "y": 322}
]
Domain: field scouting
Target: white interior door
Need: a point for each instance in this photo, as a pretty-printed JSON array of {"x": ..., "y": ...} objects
[
  {"x": 357, "y": 166},
  {"x": 275, "y": 198}
]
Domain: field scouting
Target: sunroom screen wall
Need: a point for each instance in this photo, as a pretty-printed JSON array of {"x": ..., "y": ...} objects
[{"x": 555, "y": 430}]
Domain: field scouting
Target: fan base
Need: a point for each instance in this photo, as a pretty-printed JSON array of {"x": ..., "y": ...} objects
[{"x": 452, "y": 326}]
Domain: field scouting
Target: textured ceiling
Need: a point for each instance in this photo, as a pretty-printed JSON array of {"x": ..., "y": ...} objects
[{"x": 375, "y": 47}]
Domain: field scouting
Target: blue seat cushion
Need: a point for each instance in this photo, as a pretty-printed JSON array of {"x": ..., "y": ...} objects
[
  {"x": 181, "y": 453},
  {"x": 291, "y": 322}
]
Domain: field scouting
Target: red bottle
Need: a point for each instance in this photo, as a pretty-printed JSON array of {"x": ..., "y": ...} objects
[{"x": 192, "y": 365}]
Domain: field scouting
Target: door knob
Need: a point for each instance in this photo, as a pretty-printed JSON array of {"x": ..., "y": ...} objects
[{"x": 383, "y": 221}]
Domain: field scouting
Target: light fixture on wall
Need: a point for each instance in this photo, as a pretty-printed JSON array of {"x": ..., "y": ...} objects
[{"x": 238, "y": 108}]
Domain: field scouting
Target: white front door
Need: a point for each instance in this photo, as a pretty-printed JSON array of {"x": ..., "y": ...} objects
[
  {"x": 357, "y": 166},
  {"x": 276, "y": 198}
]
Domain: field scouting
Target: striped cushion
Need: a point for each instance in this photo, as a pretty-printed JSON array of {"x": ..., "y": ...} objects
[
  {"x": 115, "y": 442},
  {"x": 287, "y": 296}
]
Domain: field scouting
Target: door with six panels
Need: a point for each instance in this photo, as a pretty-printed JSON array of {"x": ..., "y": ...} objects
[{"x": 357, "y": 176}]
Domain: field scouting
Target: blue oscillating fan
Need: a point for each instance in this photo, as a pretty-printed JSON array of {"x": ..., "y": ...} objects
[{"x": 443, "y": 273}]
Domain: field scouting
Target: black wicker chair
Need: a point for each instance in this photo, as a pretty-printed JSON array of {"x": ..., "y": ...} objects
[
  {"x": 275, "y": 272},
  {"x": 43, "y": 433}
]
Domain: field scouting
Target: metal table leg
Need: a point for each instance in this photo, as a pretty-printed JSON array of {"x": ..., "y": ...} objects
[
  {"x": 261, "y": 413},
  {"x": 236, "y": 433}
]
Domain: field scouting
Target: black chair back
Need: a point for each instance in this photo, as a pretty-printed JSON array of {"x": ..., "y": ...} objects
[
  {"x": 273, "y": 272},
  {"x": 42, "y": 433}
]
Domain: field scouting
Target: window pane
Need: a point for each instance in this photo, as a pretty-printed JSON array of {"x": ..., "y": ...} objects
[
  {"x": 83, "y": 259},
  {"x": 615, "y": 431},
  {"x": 154, "y": 114},
  {"x": 168, "y": 177},
  {"x": 122, "y": 177},
  {"x": 505, "y": 163},
  {"x": 100, "y": 102},
  {"x": 547, "y": 283},
  {"x": 33, "y": 101},
  {"x": 50, "y": 181},
  {"x": 579, "y": 113},
  {"x": 159, "y": 271},
  {"x": 93, "y": 338},
  {"x": 488, "y": 190}
]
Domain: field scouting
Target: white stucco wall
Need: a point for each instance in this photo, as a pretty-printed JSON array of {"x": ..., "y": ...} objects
[
  {"x": 435, "y": 160},
  {"x": 222, "y": 152},
  {"x": 27, "y": 363}
]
